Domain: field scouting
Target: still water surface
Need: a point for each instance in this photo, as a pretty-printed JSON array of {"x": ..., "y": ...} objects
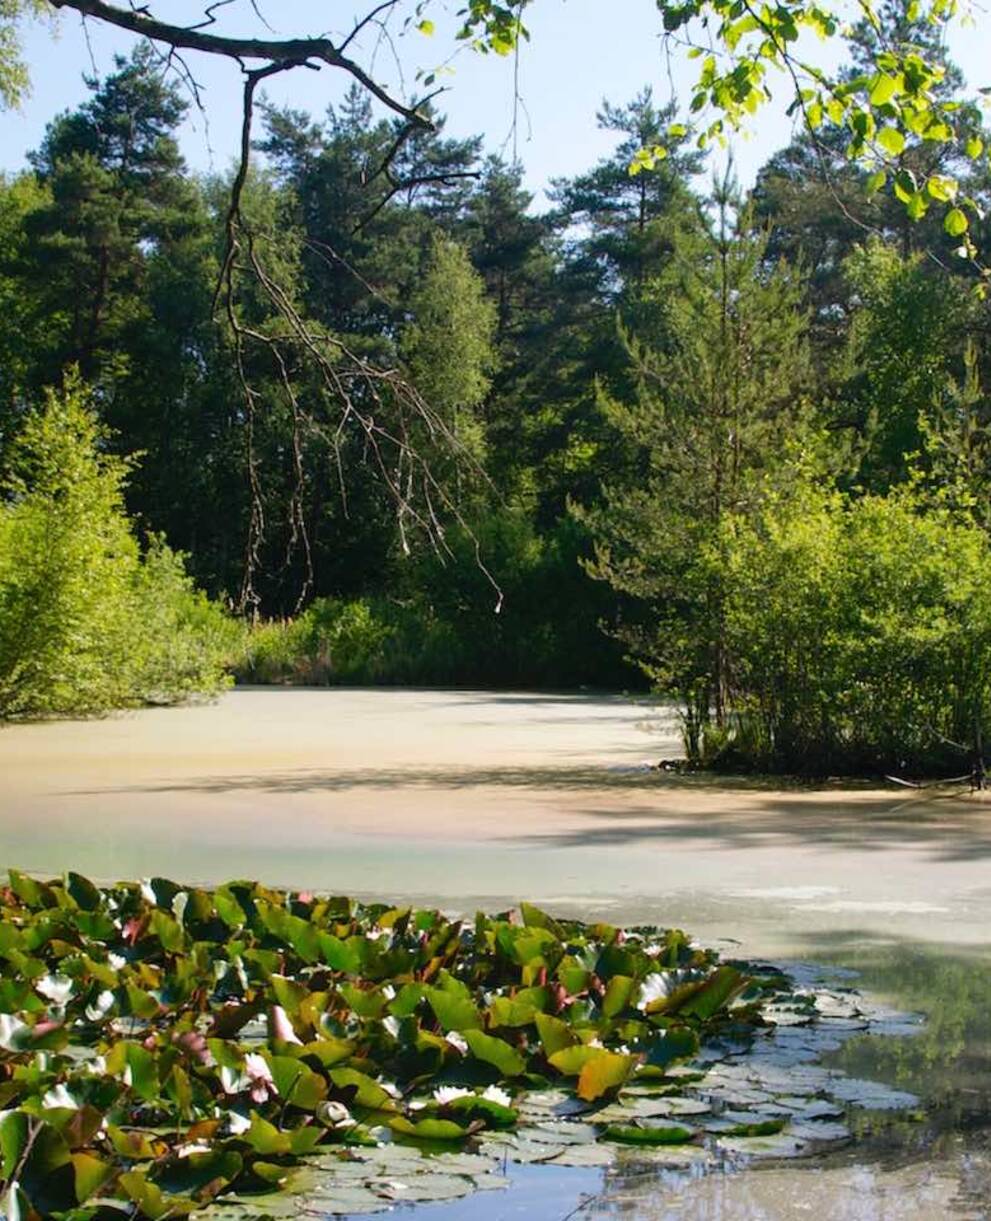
[{"x": 469, "y": 799}]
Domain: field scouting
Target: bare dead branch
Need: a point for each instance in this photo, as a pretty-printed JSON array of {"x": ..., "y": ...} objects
[
  {"x": 368, "y": 19},
  {"x": 288, "y": 52},
  {"x": 355, "y": 401},
  {"x": 396, "y": 185}
]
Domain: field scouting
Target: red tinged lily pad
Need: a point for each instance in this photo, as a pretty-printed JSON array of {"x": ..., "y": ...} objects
[{"x": 203, "y": 1043}]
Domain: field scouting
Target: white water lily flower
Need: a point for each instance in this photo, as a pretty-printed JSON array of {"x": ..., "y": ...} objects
[
  {"x": 242, "y": 974},
  {"x": 388, "y": 992},
  {"x": 450, "y": 1093},
  {"x": 654, "y": 988},
  {"x": 661, "y": 984},
  {"x": 59, "y": 1096},
  {"x": 10, "y": 1028},
  {"x": 179, "y": 905},
  {"x": 146, "y": 891},
  {"x": 101, "y": 1006},
  {"x": 390, "y": 1088},
  {"x": 282, "y": 1027},
  {"x": 391, "y": 1024},
  {"x": 127, "y": 1076},
  {"x": 457, "y": 1041},
  {"x": 653, "y": 950},
  {"x": 10, "y": 1203},
  {"x": 97, "y": 1066},
  {"x": 335, "y": 1115},
  {"x": 195, "y": 1147},
  {"x": 233, "y": 1082},
  {"x": 117, "y": 961},
  {"x": 494, "y": 1094},
  {"x": 237, "y": 1124},
  {"x": 57, "y": 988}
]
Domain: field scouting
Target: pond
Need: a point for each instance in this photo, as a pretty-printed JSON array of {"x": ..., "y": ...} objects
[{"x": 472, "y": 799}]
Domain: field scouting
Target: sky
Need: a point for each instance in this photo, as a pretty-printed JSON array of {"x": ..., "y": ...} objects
[{"x": 580, "y": 52}]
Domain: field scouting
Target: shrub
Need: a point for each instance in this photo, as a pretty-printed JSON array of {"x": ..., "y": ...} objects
[
  {"x": 442, "y": 627},
  {"x": 332, "y": 641},
  {"x": 86, "y": 624},
  {"x": 859, "y": 636},
  {"x": 183, "y": 643}
]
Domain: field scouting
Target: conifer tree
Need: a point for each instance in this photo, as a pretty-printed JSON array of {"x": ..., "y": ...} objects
[{"x": 710, "y": 430}]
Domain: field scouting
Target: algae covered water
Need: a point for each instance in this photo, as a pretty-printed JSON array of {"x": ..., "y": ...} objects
[{"x": 476, "y": 800}]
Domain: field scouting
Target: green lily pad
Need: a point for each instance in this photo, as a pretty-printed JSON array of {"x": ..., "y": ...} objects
[
  {"x": 662, "y": 1134},
  {"x": 496, "y": 1052},
  {"x": 255, "y": 1039}
]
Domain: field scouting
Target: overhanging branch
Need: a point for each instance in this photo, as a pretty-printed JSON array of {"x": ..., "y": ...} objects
[{"x": 285, "y": 52}]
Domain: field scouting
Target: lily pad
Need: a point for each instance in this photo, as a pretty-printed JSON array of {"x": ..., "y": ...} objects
[
  {"x": 232, "y": 1041},
  {"x": 660, "y": 1134}
]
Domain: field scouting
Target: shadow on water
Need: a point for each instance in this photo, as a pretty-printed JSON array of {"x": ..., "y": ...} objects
[
  {"x": 637, "y": 778},
  {"x": 948, "y": 825}
]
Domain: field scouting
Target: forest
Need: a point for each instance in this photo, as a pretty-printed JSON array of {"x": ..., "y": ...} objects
[{"x": 730, "y": 445}]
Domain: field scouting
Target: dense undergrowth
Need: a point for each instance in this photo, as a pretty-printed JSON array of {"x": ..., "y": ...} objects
[
  {"x": 89, "y": 620},
  {"x": 93, "y": 619},
  {"x": 161, "y": 1045},
  {"x": 855, "y": 637}
]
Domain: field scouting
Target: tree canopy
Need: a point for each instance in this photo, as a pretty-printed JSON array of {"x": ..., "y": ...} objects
[
  {"x": 595, "y": 412},
  {"x": 895, "y": 95}
]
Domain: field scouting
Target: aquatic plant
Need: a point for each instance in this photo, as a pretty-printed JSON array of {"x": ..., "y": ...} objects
[{"x": 160, "y": 1044}]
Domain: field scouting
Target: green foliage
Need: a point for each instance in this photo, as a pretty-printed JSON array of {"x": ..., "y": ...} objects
[
  {"x": 441, "y": 626},
  {"x": 956, "y": 444},
  {"x": 448, "y": 342},
  {"x": 14, "y": 75},
  {"x": 185, "y": 641},
  {"x": 903, "y": 348},
  {"x": 719, "y": 384},
  {"x": 23, "y": 334},
  {"x": 896, "y": 98},
  {"x": 332, "y": 641},
  {"x": 161, "y": 1045},
  {"x": 86, "y": 623},
  {"x": 859, "y": 636}
]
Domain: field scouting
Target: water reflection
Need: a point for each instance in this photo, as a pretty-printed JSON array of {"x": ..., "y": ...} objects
[
  {"x": 930, "y": 1164},
  {"x": 948, "y": 1063},
  {"x": 852, "y": 1193}
]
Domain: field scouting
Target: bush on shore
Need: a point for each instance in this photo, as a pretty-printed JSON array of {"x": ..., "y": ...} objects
[
  {"x": 858, "y": 633},
  {"x": 441, "y": 626},
  {"x": 87, "y": 622}
]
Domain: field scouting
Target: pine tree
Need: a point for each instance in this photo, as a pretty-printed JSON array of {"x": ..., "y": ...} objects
[{"x": 718, "y": 402}]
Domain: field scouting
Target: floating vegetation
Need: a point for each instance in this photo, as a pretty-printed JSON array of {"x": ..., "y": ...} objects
[{"x": 250, "y": 1052}]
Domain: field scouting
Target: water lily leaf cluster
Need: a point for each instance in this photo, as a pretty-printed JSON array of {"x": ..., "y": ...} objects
[{"x": 163, "y": 1045}]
